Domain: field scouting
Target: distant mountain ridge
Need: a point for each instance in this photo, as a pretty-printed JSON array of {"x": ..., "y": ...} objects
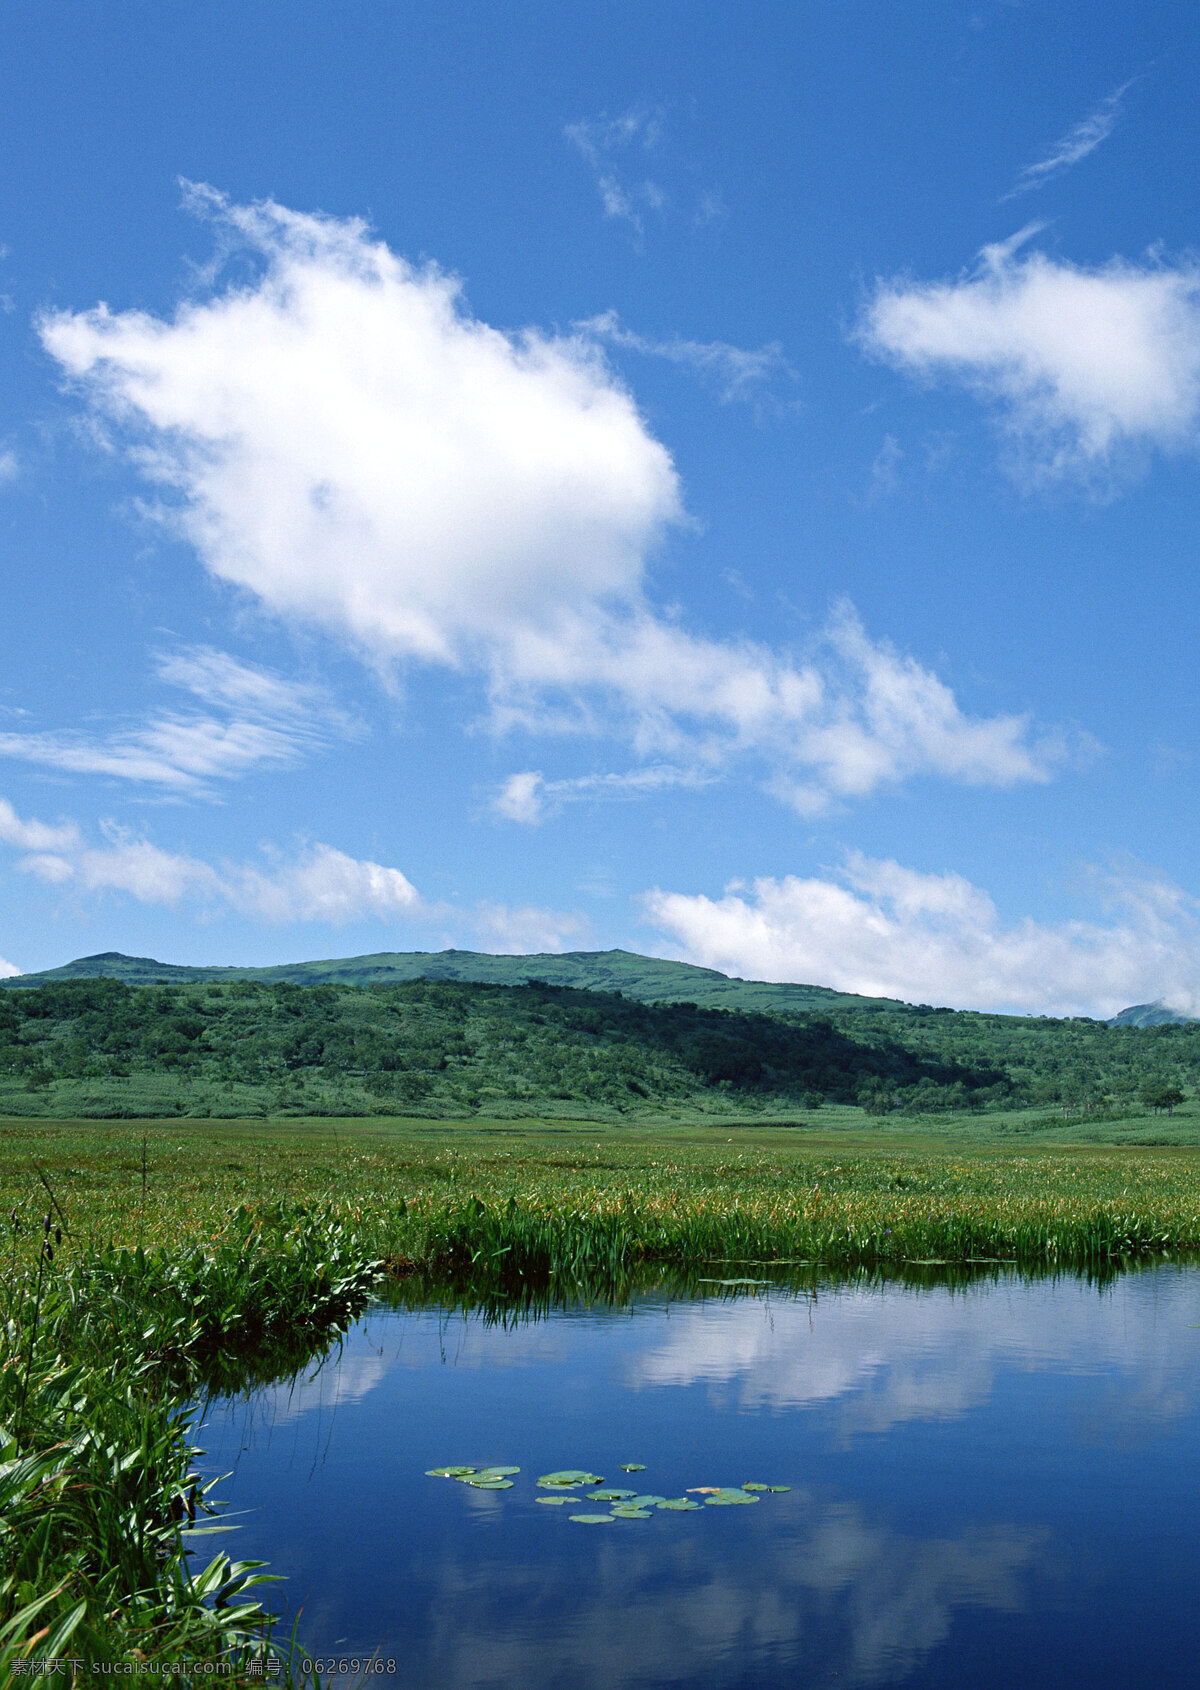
[
  {"x": 646, "y": 979},
  {"x": 1156, "y": 1014}
]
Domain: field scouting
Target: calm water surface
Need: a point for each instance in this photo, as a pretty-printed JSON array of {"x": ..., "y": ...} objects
[{"x": 991, "y": 1487}]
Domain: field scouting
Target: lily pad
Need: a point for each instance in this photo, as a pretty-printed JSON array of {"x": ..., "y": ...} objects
[
  {"x": 679, "y": 1504},
  {"x": 569, "y": 1476},
  {"x": 497, "y": 1472},
  {"x": 772, "y": 1488},
  {"x": 592, "y": 1519},
  {"x": 610, "y": 1495},
  {"x": 728, "y": 1498},
  {"x": 626, "y": 1513},
  {"x": 488, "y": 1484},
  {"x": 633, "y": 1466},
  {"x": 449, "y": 1472},
  {"x": 551, "y": 1501},
  {"x": 645, "y": 1501}
]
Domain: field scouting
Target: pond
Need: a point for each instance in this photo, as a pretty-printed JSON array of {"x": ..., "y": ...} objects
[{"x": 992, "y": 1483}]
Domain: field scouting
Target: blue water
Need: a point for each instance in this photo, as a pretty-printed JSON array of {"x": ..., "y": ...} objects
[{"x": 992, "y": 1487}]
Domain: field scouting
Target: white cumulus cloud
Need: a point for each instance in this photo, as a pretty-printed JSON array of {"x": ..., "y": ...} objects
[
  {"x": 8, "y": 970},
  {"x": 341, "y": 438},
  {"x": 318, "y": 884},
  {"x": 315, "y": 883},
  {"x": 885, "y": 930},
  {"x": 1081, "y": 362},
  {"x": 517, "y": 930},
  {"x": 323, "y": 885},
  {"x": 353, "y": 447}
]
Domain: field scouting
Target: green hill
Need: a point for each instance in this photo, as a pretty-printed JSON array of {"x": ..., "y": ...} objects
[
  {"x": 648, "y": 979},
  {"x": 443, "y": 1048},
  {"x": 1150, "y": 1015},
  {"x": 589, "y": 1032}
]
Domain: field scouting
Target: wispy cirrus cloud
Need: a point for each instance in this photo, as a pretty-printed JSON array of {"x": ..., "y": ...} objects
[
  {"x": 882, "y": 929},
  {"x": 265, "y": 721},
  {"x": 1082, "y": 364},
  {"x": 737, "y": 372},
  {"x": 607, "y": 144},
  {"x": 1075, "y": 145},
  {"x": 342, "y": 439},
  {"x": 530, "y": 798}
]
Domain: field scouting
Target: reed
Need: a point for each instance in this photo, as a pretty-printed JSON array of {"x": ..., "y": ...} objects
[
  {"x": 579, "y": 1244},
  {"x": 99, "y": 1500},
  {"x": 547, "y": 1200}
]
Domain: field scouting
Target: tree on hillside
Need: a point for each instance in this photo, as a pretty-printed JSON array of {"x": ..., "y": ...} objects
[{"x": 1159, "y": 1096}]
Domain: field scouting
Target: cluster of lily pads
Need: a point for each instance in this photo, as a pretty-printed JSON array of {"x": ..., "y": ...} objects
[{"x": 622, "y": 1504}]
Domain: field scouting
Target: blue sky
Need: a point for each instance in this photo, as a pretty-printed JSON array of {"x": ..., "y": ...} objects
[{"x": 720, "y": 481}]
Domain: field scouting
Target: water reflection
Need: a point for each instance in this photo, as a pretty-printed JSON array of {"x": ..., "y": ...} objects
[
  {"x": 993, "y": 1482},
  {"x": 834, "y": 1594},
  {"x": 889, "y": 1355}
]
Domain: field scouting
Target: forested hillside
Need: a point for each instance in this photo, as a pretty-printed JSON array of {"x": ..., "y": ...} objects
[
  {"x": 101, "y": 1048},
  {"x": 1072, "y": 1064},
  {"x": 434, "y": 1047}
]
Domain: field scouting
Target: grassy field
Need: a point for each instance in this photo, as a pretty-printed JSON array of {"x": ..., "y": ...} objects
[{"x": 556, "y": 1198}]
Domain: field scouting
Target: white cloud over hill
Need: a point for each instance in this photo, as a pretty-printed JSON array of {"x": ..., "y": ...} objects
[
  {"x": 885, "y": 930},
  {"x": 316, "y": 883}
]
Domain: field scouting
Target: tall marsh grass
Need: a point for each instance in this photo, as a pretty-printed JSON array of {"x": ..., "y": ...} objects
[
  {"x": 565, "y": 1200},
  {"x": 577, "y": 1245},
  {"x": 99, "y": 1350}
]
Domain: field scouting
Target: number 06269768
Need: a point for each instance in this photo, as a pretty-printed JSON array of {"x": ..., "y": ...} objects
[{"x": 348, "y": 1663}]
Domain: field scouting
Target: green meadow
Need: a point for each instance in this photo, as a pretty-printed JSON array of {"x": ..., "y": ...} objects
[{"x": 845, "y": 1191}]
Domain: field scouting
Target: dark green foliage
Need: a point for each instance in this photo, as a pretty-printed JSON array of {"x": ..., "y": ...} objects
[
  {"x": 96, "y": 1047},
  {"x": 1158, "y": 1096},
  {"x": 1085, "y": 1070}
]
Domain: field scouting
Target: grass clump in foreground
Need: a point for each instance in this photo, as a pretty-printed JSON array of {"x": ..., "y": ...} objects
[
  {"x": 100, "y": 1349},
  {"x": 200, "y": 1251}
]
